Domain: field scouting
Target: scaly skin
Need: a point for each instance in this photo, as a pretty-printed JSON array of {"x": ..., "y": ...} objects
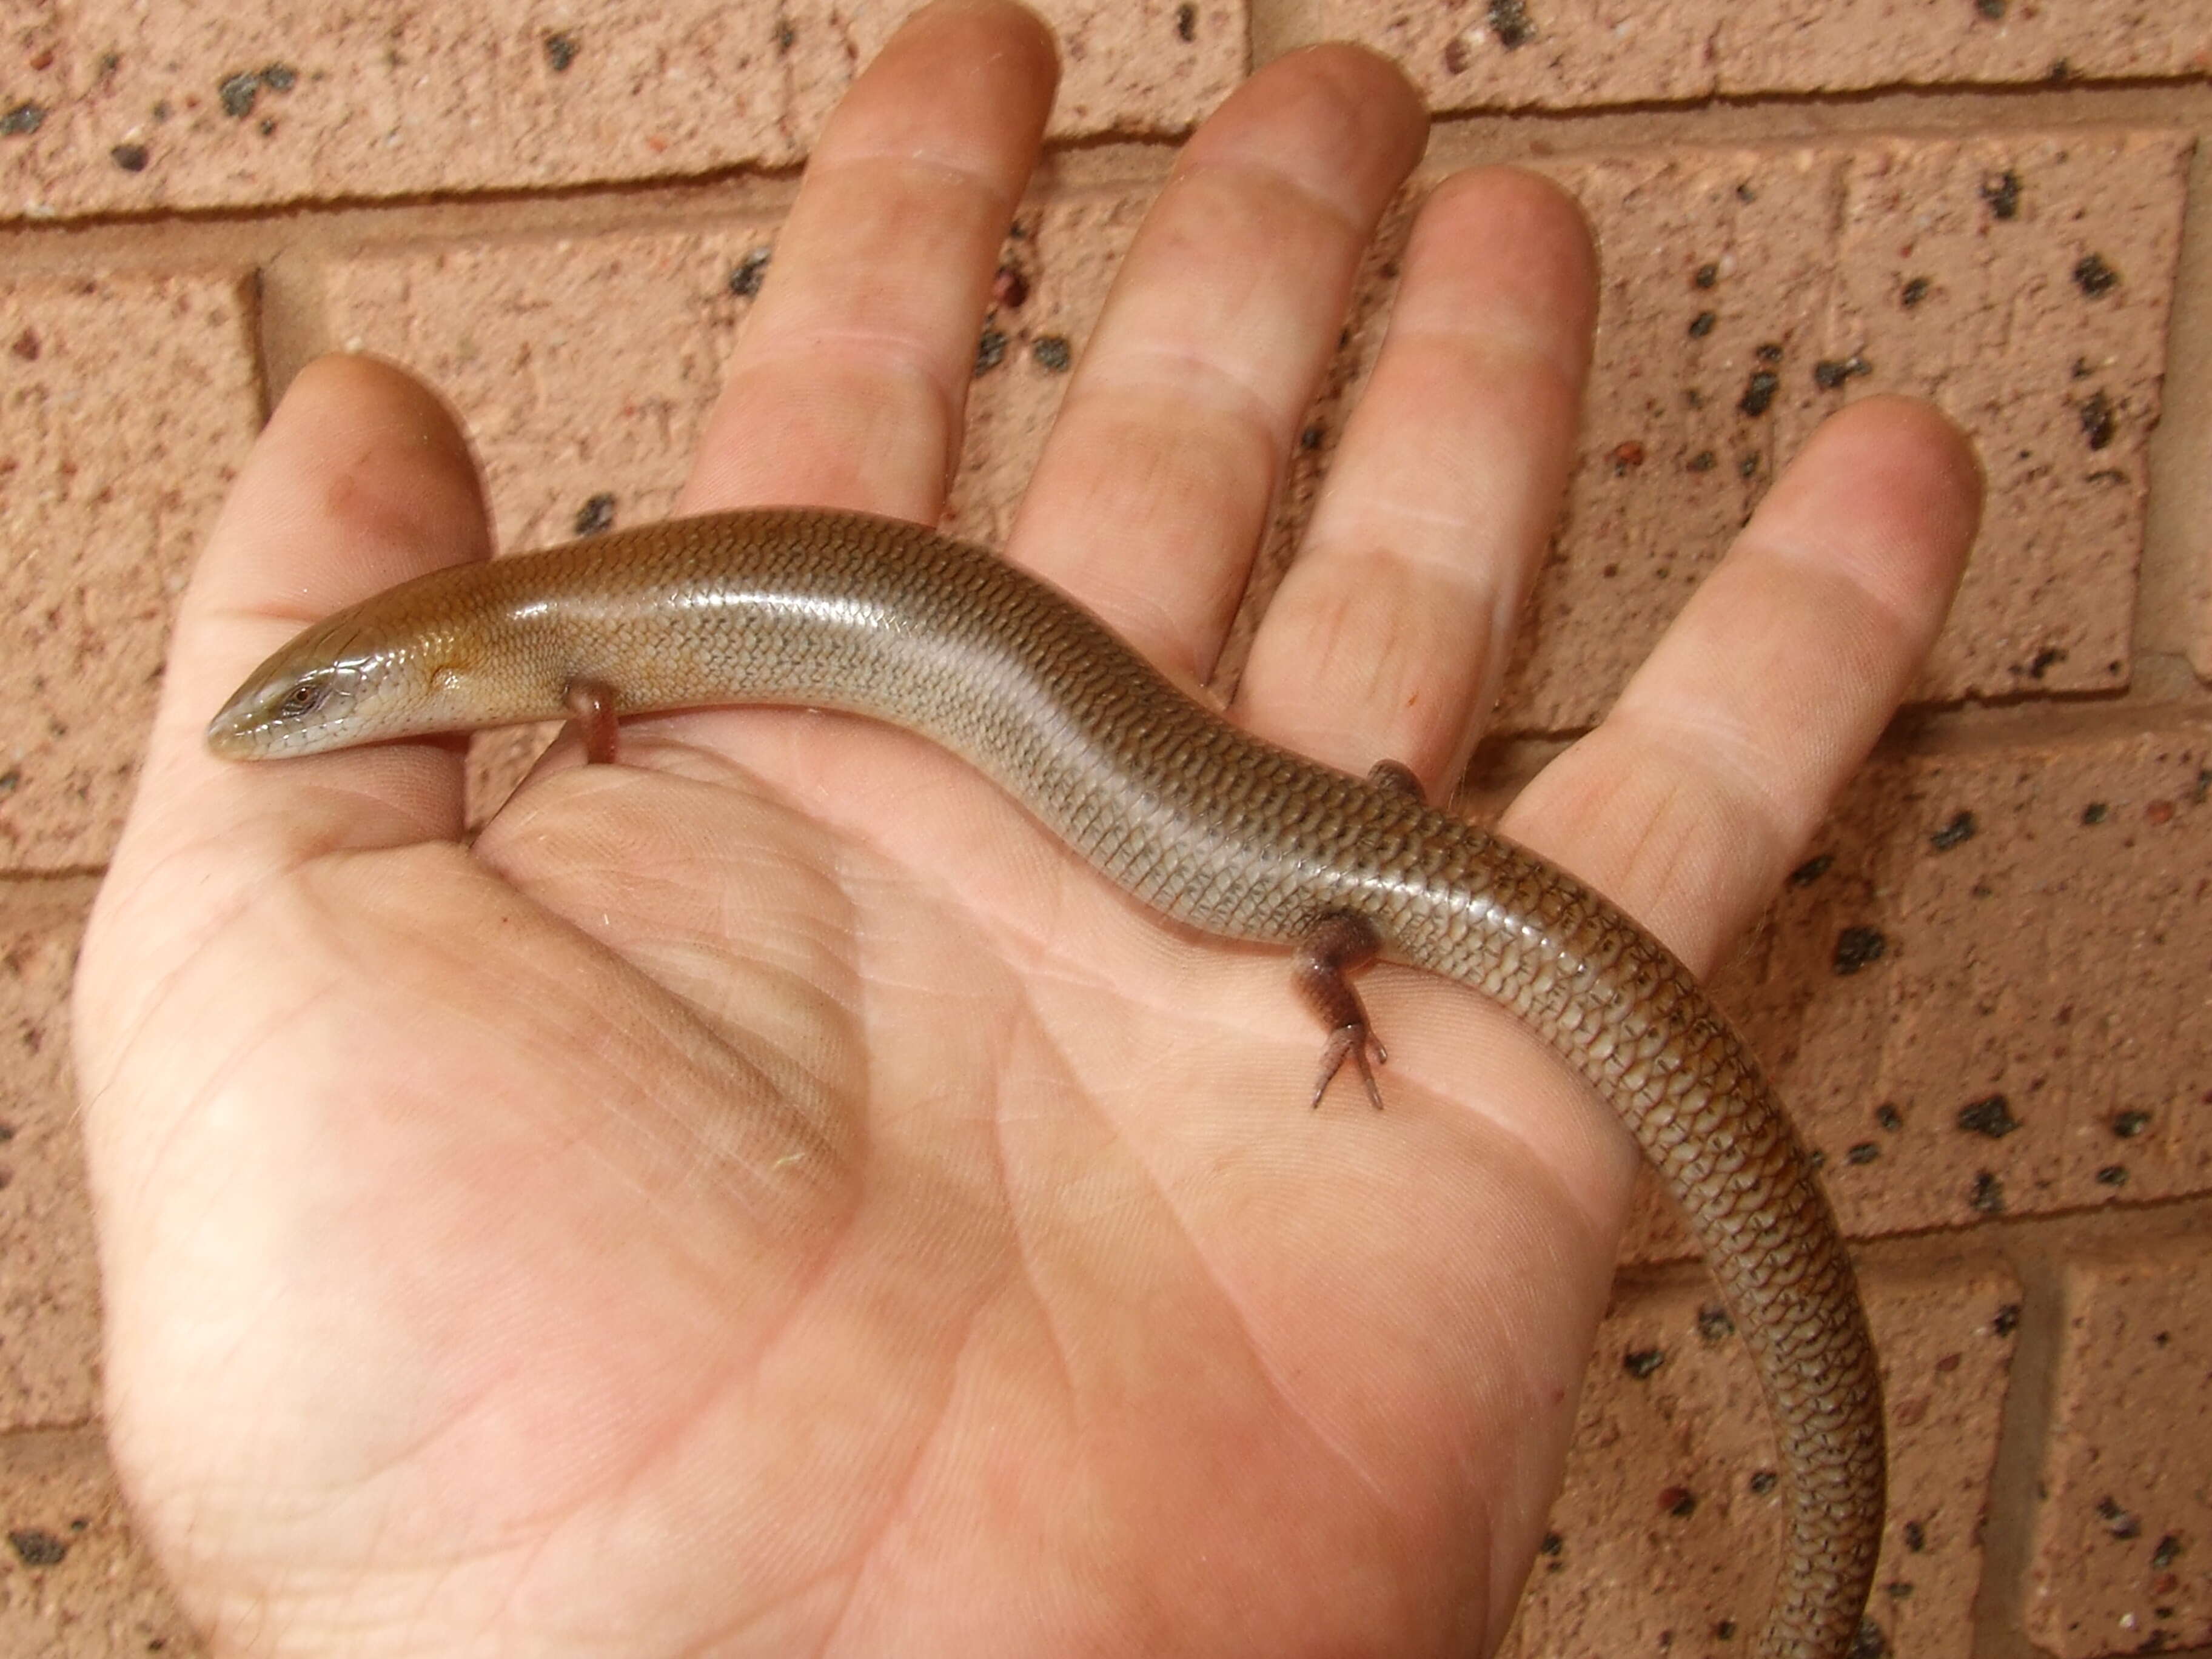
[{"x": 1210, "y": 826}]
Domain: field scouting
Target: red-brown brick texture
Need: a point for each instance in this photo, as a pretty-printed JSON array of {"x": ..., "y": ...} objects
[{"x": 1985, "y": 990}]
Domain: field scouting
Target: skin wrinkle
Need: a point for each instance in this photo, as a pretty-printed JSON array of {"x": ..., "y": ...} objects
[
  {"x": 1346, "y": 223},
  {"x": 1185, "y": 375}
]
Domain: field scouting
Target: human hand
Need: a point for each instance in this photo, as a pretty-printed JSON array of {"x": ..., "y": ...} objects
[{"x": 765, "y": 1195}]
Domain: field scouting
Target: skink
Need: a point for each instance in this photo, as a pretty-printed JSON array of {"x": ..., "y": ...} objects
[{"x": 1211, "y": 826}]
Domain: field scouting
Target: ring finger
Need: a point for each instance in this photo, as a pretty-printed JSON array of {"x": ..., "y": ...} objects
[{"x": 1387, "y": 638}]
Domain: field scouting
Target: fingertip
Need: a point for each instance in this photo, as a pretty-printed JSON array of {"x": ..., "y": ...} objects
[
  {"x": 1525, "y": 240},
  {"x": 1337, "y": 100},
  {"x": 1888, "y": 491},
  {"x": 946, "y": 61}
]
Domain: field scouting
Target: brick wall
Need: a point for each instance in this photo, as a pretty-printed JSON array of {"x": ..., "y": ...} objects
[{"x": 1986, "y": 990}]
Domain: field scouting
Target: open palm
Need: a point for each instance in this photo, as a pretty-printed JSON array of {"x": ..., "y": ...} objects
[{"x": 764, "y": 1196}]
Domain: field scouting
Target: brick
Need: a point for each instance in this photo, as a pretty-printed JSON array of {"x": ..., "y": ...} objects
[
  {"x": 126, "y": 404},
  {"x": 2058, "y": 959},
  {"x": 73, "y": 1583},
  {"x": 2123, "y": 1537},
  {"x": 2056, "y": 963},
  {"x": 1564, "y": 54},
  {"x": 2044, "y": 333},
  {"x": 576, "y": 425},
  {"x": 2050, "y": 362},
  {"x": 49, "y": 1269},
  {"x": 1630, "y": 1572},
  {"x": 124, "y": 109}
]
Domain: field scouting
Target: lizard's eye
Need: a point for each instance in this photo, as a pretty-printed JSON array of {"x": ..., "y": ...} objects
[{"x": 303, "y": 699}]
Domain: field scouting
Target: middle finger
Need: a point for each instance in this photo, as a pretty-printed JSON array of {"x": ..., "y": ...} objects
[{"x": 1150, "y": 497}]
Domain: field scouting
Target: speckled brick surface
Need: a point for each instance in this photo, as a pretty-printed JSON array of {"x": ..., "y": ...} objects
[
  {"x": 49, "y": 1285},
  {"x": 107, "y": 107},
  {"x": 577, "y": 426},
  {"x": 1516, "y": 54},
  {"x": 1665, "y": 1540},
  {"x": 73, "y": 1583},
  {"x": 126, "y": 403},
  {"x": 2022, "y": 283},
  {"x": 2123, "y": 1539}
]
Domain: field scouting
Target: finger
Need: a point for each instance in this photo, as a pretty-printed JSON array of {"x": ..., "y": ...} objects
[
  {"x": 1149, "y": 496},
  {"x": 1701, "y": 787},
  {"x": 847, "y": 386},
  {"x": 361, "y": 479},
  {"x": 1387, "y": 639}
]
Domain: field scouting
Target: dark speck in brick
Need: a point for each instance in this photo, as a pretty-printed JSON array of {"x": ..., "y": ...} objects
[
  {"x": 1991, "y": 1117},
  {"x": 2003, "y": 194},
  {"x": 1714, "y": 1324},
  {"x": 2167, "y": 1553},
  {"x": 25, "y": 346},
  {"x": 131, "y": 158},
  {"x": 2126, "y": 1125},
  {"x": 22, "y": 120},
  {"x": 1869, "y": 1642},
  {"x": 1455, "y": 57},
  {"x": 2112, "y": 1175},
  {"x": 1679, "y": 1502},
  {"x": 1811, "y": 869},
  {"x": 2121, "y": 1523},
  {"x": 1764, "y": 1482},
  {"x": 561, "y": 51},
  {"x": 1640, "y": 1363},
  {"x": 238, "y": 93},
  {"x": 2095, "y": 814},
  {"x": 2100, "y": 422},
  {"x": 746, "y": 275},
  {"x": 1864, "y": 1151},
  {"x": 1508, "y": 22},
  {"x": 1888, "y": 1116},
  {"x": 34, "y": 1547},
  {"x": 1913, "y": 292},
  {"x": 2094, "y": 277},
  {"x": 1702, "y": 324},
  {"x": 1857, "y": 948},
  {"x": 990, "y": 351},
  {"x": 1758, "y": 393},
  {"x": 596, "y": 516},
  {"x": 1957, "y": 833},
  {"x": 1706, "y": 276},
  {"x": 1832, "y": 372},
  {"x": 1186, "y": 23},
  {"x": 1916, "y": 1537},
  {"x": 1987, "y": 1196},
  {"x": 2006, "y": 1322},
  {"x": 1053, "y": 356}
]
